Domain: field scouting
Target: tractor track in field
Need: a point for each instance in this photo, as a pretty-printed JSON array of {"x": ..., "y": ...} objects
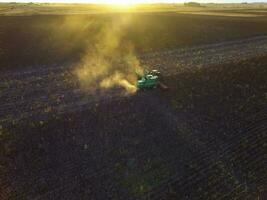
[
  {"x": 30, "y": 92},
  {"x": 208, "y": 162},
  {"x": 232, "y": 153}
]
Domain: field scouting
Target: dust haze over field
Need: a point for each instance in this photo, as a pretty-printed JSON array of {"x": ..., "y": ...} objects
[
  {"x": 106, "y": 58},
  {"x": 111, "y": 61}
]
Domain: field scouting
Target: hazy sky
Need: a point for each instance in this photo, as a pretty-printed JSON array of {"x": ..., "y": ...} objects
[
  {"x": 94, "y": 1},
  {"x": 133, "y": 1}
]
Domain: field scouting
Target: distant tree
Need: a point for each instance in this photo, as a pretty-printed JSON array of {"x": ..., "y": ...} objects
[{"x": 193, "y": 4}]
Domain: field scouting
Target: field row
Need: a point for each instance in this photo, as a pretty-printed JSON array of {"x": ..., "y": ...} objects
[{"x": 35, "y": 91}]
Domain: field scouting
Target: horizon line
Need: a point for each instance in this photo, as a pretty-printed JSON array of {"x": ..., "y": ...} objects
[{"x": 139, "y": 3}]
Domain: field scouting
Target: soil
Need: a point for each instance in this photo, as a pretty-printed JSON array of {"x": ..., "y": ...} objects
[
  {"x": 204, "y": 138},
  {"x": 34, "y": 40}
]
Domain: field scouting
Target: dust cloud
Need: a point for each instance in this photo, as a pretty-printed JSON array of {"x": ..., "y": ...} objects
[{"x": 111, "y": 61}]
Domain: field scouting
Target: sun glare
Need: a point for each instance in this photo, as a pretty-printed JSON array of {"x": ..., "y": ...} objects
[{"x": 120, "y": 2}]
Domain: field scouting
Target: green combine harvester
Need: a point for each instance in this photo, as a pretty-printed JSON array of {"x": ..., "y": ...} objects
[{"x": 150, "y": 80}]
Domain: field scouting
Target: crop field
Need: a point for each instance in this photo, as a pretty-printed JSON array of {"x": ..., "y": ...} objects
[
  {"x": 74, "y": 126},
  {"x": 29, "y": 40}
]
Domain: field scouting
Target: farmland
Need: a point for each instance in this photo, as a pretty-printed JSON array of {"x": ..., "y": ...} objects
[
  {"x": 203, "y": 138},
  {"x": 30, "y": 40}
]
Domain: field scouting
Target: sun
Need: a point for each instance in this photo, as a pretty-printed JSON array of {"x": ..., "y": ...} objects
[{"x": 120, "y": 2}]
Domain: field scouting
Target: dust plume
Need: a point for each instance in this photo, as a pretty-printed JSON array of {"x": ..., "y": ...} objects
[{"x": 111, "y": 62}]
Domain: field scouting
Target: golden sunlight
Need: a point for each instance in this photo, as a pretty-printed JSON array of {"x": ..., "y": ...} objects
[{"x": 120, "y": 2}]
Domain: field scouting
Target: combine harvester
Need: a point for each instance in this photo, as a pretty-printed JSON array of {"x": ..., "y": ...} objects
[{"x": 150, "y": 80}]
